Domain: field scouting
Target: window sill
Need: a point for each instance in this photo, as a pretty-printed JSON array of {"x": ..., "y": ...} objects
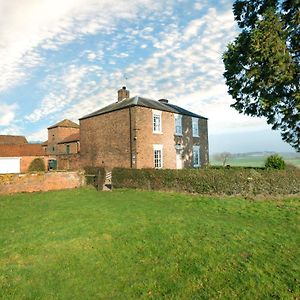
[
  {"x": 178, "y": 134},
  {"x": 196, "y": 136},
  {"x": 157, "y": 132}
]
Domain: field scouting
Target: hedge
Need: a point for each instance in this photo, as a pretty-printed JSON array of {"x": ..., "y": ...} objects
[
  {"x": 232, "y": 181},
  {"x": 95, "y": 176}
]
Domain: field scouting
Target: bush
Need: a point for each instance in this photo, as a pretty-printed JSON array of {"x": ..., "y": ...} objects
[
  {"x": 275, "y": 162},
  {"x": 37, "y": 165},
  {"x": 95, "y": 176},
  {"x": 223, "y": 181}
]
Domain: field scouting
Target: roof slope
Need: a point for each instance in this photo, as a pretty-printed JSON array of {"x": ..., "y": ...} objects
[
  {"x": 21, "y": 150},
  {"x": 12, "y": 140},
  {"x": 144, "y": 102},
  {"x": 71, "y": 138},
  {"x": 65, "y": 123}
]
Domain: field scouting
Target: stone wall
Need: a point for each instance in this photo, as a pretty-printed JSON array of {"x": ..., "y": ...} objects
[{"x": 34, "y": 182}]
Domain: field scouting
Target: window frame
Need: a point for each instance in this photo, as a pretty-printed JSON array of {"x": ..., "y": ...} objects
[
  {"x": 176, "y": 118},
  {"x": 157, "y": 113},
  {"x": 195, "y": 121},
  {"x": 158, "y": 147},
  {"x": 196, "y": 148}
]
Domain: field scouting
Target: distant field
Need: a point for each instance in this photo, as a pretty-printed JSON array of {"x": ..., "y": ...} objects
[
  {"x": 83, "y": 244},
  {"x": 252, "y": 161}
]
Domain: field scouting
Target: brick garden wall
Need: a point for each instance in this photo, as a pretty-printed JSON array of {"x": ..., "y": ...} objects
[{"x": 17, "y": 183}]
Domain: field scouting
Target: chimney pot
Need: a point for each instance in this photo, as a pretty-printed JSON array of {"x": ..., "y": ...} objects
[{"x": 163, "y": 100}]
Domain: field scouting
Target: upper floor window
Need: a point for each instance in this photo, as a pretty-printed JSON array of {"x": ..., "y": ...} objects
[
  {"x": 196, "y": 156},
  {"x": 68, "y": 149},
  {"x": 158, "y": 156},
  {"x": 178, "y": 124},
  {"x": 157, "y": 121},
  {"x": 195, "y": 127}
]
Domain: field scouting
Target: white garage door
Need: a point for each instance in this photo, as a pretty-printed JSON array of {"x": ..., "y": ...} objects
[{"x": 9, "y": 165}]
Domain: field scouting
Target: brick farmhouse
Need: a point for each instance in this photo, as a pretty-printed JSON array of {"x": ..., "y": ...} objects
[{"x": 143, "y": 133}]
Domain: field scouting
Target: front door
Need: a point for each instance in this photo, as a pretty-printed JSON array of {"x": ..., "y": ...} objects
[{"x": 178, "y": 160}]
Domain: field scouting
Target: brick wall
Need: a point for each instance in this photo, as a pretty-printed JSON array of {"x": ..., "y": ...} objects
[
  {"x": 16, "y": 183},
  {"x": 145, "y": 138},
  {"x": 26, "y": 161},
  {"x": 104, "y": 140},
  {"x": 56, "y": 135},
  {"x": 74, "y": 148},
  {"x": 68, "y": 162}
]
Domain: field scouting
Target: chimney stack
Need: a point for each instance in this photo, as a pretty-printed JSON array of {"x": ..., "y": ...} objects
[{"x": 123, "y": 94}]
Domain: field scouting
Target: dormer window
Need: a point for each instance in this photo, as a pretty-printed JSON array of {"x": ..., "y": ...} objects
[
  {"x": 178, "y": 124},
  {"x": 195, "y": 127},
  {"x": 157, "y": 126}
]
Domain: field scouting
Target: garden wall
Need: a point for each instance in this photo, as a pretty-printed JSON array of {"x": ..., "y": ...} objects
[
  {"x": 33, "y": 182},
  {"x": 233, "y": 181}
]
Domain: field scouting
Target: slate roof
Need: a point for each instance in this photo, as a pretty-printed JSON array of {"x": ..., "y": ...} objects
[
  {"x": 143, "y": 102},
  {"x": 12, "y": 140},
  {"x": 71, "y": 138},
  {"x": 21, "y": 150},
  {"x": 65, "y": 123}
]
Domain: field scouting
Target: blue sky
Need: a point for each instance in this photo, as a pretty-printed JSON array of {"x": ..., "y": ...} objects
[{"x": 66, "y": 58}]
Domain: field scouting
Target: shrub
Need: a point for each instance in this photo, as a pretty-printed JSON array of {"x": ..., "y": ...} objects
[
  {"x": 37, "y": 165},
  {"x": 95, "y": 176},
  {"x": 275, "y": 162}
]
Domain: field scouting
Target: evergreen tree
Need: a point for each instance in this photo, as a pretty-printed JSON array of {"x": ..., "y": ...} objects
[{"x": 262, "y": 65}]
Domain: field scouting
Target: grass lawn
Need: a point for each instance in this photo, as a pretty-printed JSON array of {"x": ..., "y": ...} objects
[
  {"x": 252, "y": 161},
  {"x": 82, "y": 244}
]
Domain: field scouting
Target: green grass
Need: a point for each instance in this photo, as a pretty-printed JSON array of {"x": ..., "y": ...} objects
[
  {"x": 82, "y": 244},
  {"x": 252, "y": 161}
]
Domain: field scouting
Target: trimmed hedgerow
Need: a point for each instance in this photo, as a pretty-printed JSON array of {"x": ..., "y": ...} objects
[
  {"x": 275, "y": 162},
  {"x": 37, "y": 165},
  {"x": 95, "y": 176},
  {"x": 211, "y": 181}
]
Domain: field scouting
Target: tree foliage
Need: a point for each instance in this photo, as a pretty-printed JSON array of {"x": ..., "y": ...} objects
[
  {"x": 275, "y": 162},
  {"x": 262, "y": 65},
  {"x": 37, "y": 165}
]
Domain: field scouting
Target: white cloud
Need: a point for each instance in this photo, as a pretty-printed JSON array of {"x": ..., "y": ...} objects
[
  {"x": 8, "y": 113},
  {"x": 63, "y": 90},
  {"x": 27, "y": 26},
  {"x": 38, "y": 136}
]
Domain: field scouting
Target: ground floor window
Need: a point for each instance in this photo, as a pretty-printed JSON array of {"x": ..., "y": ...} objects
[
  {"x": 158, "y": 156},
  {"x": 196, "y": 156}
]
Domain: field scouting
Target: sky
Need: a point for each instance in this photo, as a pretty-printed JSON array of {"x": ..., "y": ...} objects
[{"x": 67, "y": 58}]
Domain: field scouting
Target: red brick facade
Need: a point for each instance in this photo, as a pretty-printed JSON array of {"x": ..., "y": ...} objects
[{"x": 125, "y": 138}]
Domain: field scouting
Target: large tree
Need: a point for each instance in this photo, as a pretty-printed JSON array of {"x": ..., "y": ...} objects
[{"x": 262, "y": 65}]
